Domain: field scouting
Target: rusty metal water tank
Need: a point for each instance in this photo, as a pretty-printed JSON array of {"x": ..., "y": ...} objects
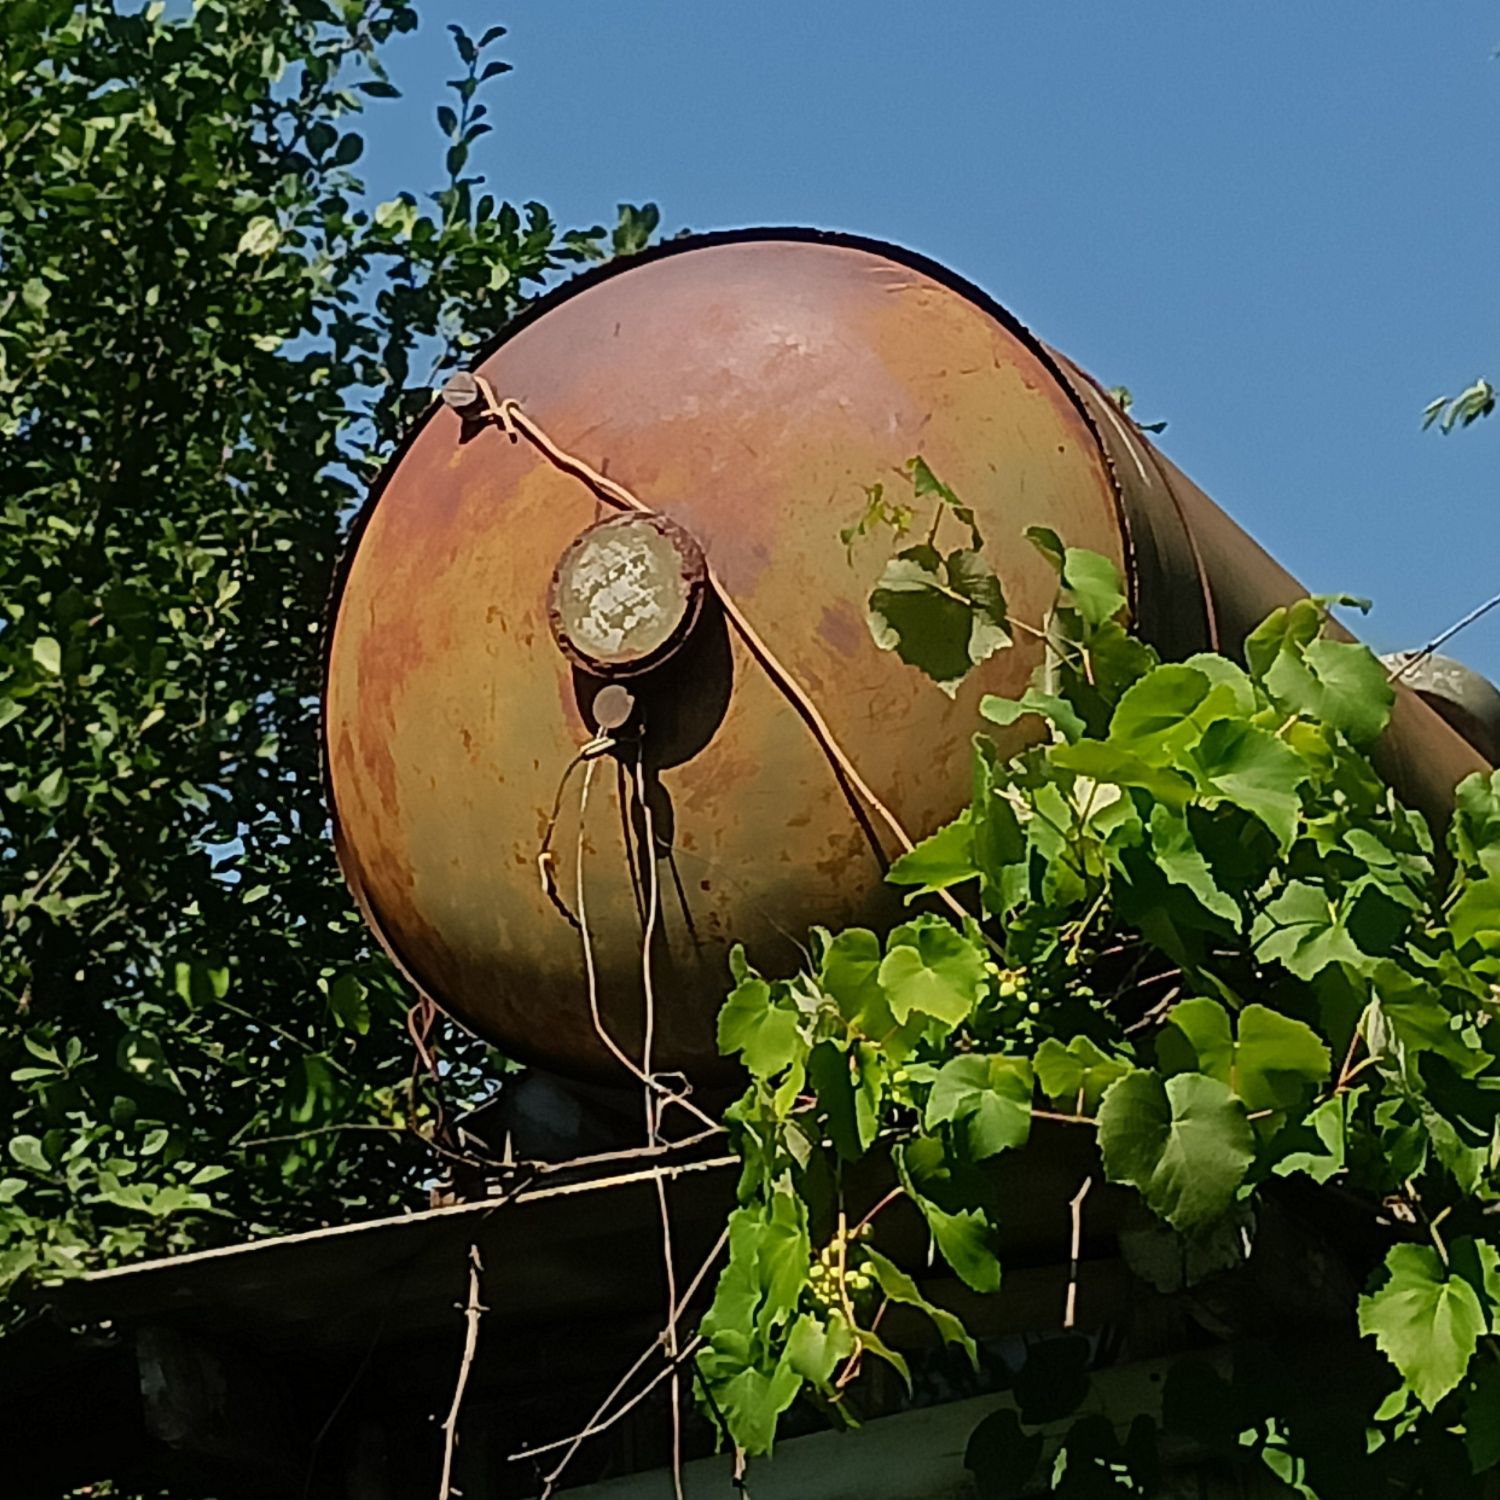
[{"x": 746, "y": 386}]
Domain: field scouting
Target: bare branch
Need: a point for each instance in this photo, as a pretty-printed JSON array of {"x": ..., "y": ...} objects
[{"x": 472, "y": 1313}]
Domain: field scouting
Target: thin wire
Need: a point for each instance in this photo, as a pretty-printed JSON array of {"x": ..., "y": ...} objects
[
  {"x": 651, "y": 863},
  {"x": 1415, "y": 660},
  {"x": 653, "y": 900},
  {"x": 593, "y": 978},
  {"x": 622, "y": 793},
  {"x": 544, "y": 861}
]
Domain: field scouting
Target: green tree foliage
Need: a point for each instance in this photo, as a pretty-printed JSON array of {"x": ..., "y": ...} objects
[
  {"x": 207, "y": 342},
  {"x": 1201, "y": 929}
]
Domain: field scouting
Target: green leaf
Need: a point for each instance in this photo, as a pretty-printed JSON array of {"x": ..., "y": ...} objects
[
  {"x": 1338, "y": 683},
  {"x": 348, "y": 1002},
  {"x": 1272, "y": 1064},
  {"x": 1279, "y": 642},
  {"x": 848, "y": 1086},
  {"x": 1186, "y": 1144},
  {"x": 990, "y": 1097},
  {"x": 941, "y": 615},
  {"x": 968, "y": 1242},
  {"x": 1302, "y": 929},
  {"x": 872, "y": 1343},
  {"x": 768, "y": 1264},
  {"x": 815, "y": 1348},
  {"x": 850, "y": 973},
  {"x": 965, "y": 1236},
  {"x": 47, "y": 654},
  {"x": 1408, "y": 1017},
  {"x": 27, "y": 1150},
  {"x": 262, "y": 235},
  {"x": 932, "y": 968},
  {"x": 1065, "y": 1072},
  {"x": 1252, "y": 769},
  {"x": 1478, "y": 1262},
  {"x": 1109, "y": 763},
  {"x": 1197, "y": 1039},
  {"x": 1049, "y": 544},
  {"x": 1057, "y": 711},
  {"x": 899, "y": 1287},
  {"x": 1355, "y": 694},
  {"x": 766, "y": 1035},
  {"x": 973, "y": 577},
  {"x": 1154, "y": 720},
  {"x": 1426, "y": 1321},
  {"x": 944, "y": 858},
  {"x": 924, "y": 482},
  {"x": 1179, "y": 858},
  {"x": 1224, "y": 673},
  {"x": 1328, "y": 1126},
  {"x": 1277, "y": 1060},
  {"x": 752, "y": 1401},
  {"x": 996, "y": 837},
  {"x": 1093, "y": 584},
  {"x": 1474, "y": 835},
  {"x": 200, "y": 983},
  {"x": 782, "y": 1255},
  {"x": 1475, "y": 917}
]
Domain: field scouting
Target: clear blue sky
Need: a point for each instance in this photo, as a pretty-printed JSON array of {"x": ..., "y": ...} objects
[{"x": 1276, "y": 222}]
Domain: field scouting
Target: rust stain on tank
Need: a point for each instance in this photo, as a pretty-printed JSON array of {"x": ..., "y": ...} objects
[{"x": 841, "y": 627}]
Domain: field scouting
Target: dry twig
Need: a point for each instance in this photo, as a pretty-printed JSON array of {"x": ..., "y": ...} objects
[
  {"x": 472, "y": 1313},
  {"x": 1071, "y": 1308}
]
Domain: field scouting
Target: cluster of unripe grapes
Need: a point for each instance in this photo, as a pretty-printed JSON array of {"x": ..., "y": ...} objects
[
  {"x": 823, "y": 1278},
  {"x": 1014, "y": 985}
]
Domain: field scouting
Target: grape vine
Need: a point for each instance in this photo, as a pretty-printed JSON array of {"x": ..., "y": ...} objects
[{"x": 1203, "y": 930}]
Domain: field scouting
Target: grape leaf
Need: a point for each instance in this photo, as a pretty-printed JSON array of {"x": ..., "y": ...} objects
[
  {"x": 1063, "y": 1071},
  {"x": 848, "y": 1085},
  {"x": 899, "y": 1287},
  {"x": 1252, "y": 769},
  {"x": 944, "y": 858},
  {"x": 1425, "y": 1320},
  {"x": 1093, "y": 584},
  {"x": 1354, "y": 689},
  {"x": 766, "y": 1035},
  {"x": 989, "y": 1097},
  {"x": 1186, "y": 1144},
  {"x": 1166, "y": 711},
  {"x": 814, "y": 1348},
  {"x": 1474, "y": 835},
  {"x": 1272, "y": 1063},
  {"x": 941, "y": 615},
  {"x": 932, "y": 968},
  {"x": 965, "y": 1237},
  {"x": 752, "y": 1400},
  {"x": 1057, "y": 711}
]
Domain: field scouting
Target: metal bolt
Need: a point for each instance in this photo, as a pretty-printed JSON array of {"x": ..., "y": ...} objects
[
  {"x": 613, "y": 706},
  {"x": 461, "y": 392}
]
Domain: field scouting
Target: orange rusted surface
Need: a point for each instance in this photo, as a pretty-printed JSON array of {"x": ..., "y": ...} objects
[{"x": 748, "y": 387}]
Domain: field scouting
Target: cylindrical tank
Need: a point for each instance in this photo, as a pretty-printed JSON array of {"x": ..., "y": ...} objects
[{"x": 748, "y": 386}]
